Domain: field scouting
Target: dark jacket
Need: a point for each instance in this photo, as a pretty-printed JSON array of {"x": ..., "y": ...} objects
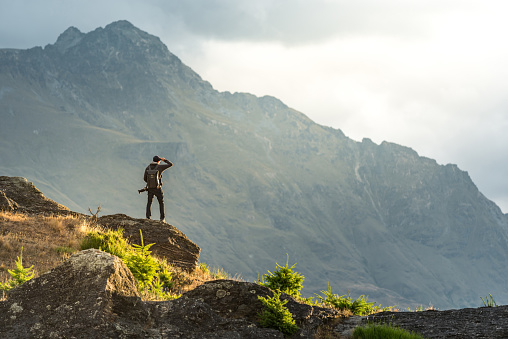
[{"x": 159, "y": 167}]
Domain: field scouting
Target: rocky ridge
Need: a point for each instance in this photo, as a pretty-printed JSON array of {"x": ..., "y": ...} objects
[
  {"x": 93, "y": 294},
  {"x": 17, "y": 194}
]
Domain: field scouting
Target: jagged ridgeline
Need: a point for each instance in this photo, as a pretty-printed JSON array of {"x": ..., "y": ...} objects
[{"x": 253, "y": 179}]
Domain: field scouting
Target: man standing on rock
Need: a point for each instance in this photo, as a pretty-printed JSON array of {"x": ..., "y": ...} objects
[{"x": 153, "y": 179}]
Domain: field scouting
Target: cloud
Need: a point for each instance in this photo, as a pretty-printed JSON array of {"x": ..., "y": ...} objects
[
  {"x": 438, "y": 89},
  {"x": 298, "y": 22}
]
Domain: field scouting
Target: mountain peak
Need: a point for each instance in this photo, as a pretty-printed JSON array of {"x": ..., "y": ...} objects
[
  {"x": 69, "y": 38},
  {"x": 125, "y": 30},
  {"x": 121, "y": 25},
  {"x": 117, "y": 35}
]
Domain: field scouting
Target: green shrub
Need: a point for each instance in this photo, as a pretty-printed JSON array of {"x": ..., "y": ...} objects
[
  {"x": 19, "y": 275},
  {"x": 383, "y": 331},
  {"x": 142, "y": 265},
  {"x": 219, "y": 273},
  {"x": 275, "y": 315},
  {"x": 284, "y": 280},
  {"x": 359, "y": 306},
  {"x": 157, "y": 291},
  {"x": 151, "y": 274},
  {"x": 165, "y": 277},
  {"x": 109, "y": 241}
]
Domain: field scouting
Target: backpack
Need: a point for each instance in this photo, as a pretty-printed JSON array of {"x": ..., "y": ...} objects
[{"x": 153, "y": 179}]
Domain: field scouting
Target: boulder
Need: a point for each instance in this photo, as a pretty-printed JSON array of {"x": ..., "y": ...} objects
[
  {"x": 169, "y": 242},
  {"x": 194, "y": 318},
  {"x": 18, "y": 194},
  {"x": 91, "y": 293},
  {"x": 239, "y": 300}
]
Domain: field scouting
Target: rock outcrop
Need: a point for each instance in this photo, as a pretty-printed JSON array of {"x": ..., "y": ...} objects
[
  {"x": 169, "y": 242},
  {"x": 18, "y": 194},
  {"x": 93, "y": 294},
  {"x": 483, "y": 322},
  {"x": 239, "y": 300}
]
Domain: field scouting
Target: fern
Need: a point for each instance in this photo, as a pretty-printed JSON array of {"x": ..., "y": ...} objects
[
  {"x": 19, "y": 274},
  {"x": 142, "y": 265},
  {"x": 275, "y": 315}
]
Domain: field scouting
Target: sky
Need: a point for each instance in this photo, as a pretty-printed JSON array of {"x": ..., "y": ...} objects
[{"x": 427, "y": 74}]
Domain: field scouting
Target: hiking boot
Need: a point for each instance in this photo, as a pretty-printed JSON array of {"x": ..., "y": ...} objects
[{"x": 163, "y": 219}]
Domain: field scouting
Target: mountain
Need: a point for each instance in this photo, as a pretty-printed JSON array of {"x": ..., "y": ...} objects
[{"x": 253, "y": 179}]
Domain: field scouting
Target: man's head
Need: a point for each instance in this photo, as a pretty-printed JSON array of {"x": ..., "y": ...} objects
[{"x": 156, "y": 158}]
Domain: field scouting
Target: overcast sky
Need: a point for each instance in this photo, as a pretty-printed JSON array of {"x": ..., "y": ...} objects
[{"x": 428, "y": 74}]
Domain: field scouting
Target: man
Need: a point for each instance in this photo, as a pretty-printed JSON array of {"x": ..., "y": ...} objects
[{"x": 157, "y": 191}]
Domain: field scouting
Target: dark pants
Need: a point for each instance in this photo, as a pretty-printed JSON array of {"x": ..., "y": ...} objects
[{"x": 160, "y": 197}]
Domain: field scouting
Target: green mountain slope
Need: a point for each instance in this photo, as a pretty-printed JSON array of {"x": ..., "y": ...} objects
[{"x": 253, "y": 179}]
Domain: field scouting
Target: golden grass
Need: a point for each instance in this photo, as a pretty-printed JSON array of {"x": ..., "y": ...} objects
[{"x": 46, "y": 240}]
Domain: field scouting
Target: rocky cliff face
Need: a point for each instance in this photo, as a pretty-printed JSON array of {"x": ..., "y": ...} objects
[{"x": 253, "y": 179}]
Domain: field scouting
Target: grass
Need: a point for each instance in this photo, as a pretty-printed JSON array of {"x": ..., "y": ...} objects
[
  {"x": 359, "y": 306},
  {"x": 489, "y": 302},
  {"x": 383, "y": 331},
  {"x": 157, "y": 279},
  {"x": 216, "y": 273},
  {"x": 48, "y": 241},
  {"x": 421, "y": 309}
]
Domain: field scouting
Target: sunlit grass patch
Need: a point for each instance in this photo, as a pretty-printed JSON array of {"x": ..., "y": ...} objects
[
  {"x": 383, "y": 331},
  {"x": 46, "y": 240}
]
